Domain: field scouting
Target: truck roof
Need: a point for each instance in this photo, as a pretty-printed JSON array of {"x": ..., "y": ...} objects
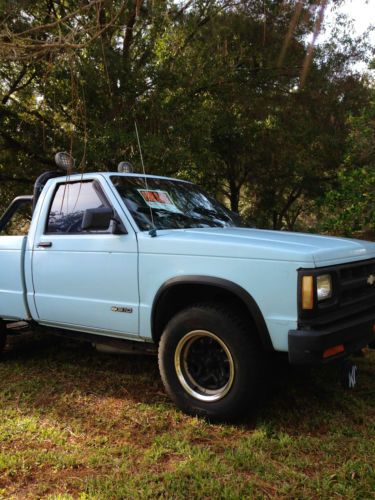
[{"x": 83, "y": 176}]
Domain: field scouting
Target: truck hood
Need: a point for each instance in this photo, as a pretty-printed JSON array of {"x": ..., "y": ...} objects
[{"x": 248, "y": 243}]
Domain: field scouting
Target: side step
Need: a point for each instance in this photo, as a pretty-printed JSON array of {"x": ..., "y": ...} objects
[{"x": 104, "y": 343}]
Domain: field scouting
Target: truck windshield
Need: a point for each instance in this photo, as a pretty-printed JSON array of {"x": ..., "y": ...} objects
[{"x": 173, "y": 204}]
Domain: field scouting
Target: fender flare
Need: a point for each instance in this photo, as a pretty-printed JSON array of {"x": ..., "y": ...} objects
[{"x": 227, "y": 285}]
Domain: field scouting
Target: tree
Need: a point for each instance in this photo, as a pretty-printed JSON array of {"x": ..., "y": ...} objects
[
  {"x": 224, "y": 92},
  {"x": 349, "y": 206}
]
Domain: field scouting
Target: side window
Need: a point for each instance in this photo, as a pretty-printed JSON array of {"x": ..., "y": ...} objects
[{"x": 69, "y": 204}]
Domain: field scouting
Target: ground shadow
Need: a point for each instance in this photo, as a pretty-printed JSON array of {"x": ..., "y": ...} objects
[{"x": 298, "y": 398}]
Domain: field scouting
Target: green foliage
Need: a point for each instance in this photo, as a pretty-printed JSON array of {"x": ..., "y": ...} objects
[
  {"x": 215, "y": 88},
  {"x": 350, "y": 205}
]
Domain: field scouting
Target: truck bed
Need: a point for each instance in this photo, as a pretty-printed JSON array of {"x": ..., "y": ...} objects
[{"x": 12, "y": 288}]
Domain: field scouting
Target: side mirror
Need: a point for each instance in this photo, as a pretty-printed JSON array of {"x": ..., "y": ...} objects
[{"x": 97, "y": 219}]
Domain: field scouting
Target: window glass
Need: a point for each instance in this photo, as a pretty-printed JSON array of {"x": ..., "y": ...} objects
[
  {"x": 69, "y": 204},
  {"x": 171, "y": 204}
]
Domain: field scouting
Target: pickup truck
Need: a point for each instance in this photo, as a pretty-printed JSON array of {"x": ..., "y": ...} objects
[{"x": 153, "y": 264}]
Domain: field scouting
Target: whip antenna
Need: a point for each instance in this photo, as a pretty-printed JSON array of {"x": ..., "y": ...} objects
[{"x": 152, "y": 232}]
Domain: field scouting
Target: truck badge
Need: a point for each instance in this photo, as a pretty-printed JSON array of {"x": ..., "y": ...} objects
[
  {"x": 371, "y": 279},
  {"x": 121, "y": 309}
]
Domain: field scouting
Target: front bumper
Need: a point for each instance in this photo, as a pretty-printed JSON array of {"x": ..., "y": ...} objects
[{"x": 306, "y": 346}]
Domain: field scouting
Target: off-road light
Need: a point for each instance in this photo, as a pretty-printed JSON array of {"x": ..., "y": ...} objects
[
  {"x": 65, "y": 161},
  {"x": 307, "y": 292},
  {"x": 324, "y": 287},
  {"x": 125, "y": 167}
]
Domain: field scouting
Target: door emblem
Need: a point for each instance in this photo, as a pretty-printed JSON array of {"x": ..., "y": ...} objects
[
  {"x": 116, "y": 309},
  {"x": 371, "y": 280}
]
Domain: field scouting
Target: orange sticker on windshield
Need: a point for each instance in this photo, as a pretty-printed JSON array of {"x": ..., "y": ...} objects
[{"x": 156, "y": 197}]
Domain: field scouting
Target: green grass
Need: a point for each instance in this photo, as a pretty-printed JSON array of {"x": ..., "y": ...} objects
[{"x": 78, "y": 424}]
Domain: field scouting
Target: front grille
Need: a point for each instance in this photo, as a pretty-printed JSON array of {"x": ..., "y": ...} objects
[
  {"x": 354, "y": 285},
  {"x": 354, "y": 295}
]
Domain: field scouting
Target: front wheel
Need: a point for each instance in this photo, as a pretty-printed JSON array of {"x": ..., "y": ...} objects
[{"x": 210, "y": 362}]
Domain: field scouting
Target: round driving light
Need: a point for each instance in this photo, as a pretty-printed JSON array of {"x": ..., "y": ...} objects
[
  {"x": 324, "y": 287},
  {"x": 64, "y": 161},
  {"x": 125, "y": 167}
]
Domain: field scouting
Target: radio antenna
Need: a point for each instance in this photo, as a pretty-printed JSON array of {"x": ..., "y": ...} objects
[{"x": 152, "y": 231}]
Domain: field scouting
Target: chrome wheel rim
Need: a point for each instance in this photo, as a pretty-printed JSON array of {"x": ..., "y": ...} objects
[{"x": 204, "y": 365}]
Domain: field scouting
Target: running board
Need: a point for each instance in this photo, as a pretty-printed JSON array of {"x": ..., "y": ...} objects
[{"x": 117, "y": 345}]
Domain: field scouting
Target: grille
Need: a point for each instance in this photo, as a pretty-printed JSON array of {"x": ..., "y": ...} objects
[
  {"x": 353, "y": 298},
  {"x": 354, "y": 286}
]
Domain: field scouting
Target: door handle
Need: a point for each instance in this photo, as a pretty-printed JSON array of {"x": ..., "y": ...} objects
[{"x": 44, "y": 244}]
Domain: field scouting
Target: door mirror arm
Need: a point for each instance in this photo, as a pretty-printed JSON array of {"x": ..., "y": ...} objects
[{"x": 118, "y": 227}]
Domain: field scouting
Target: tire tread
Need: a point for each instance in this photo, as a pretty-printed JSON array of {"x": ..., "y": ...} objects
[{"x": 247, "y": 345}]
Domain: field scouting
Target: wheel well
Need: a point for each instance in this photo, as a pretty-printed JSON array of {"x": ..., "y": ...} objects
[{"x": 180, "y": 296}]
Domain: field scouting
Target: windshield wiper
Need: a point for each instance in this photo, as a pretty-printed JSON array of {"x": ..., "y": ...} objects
[
  {"x": 212, "y": 213},
  {"x": 146, "y": 210},
  {"x": 186, "y": 217}
]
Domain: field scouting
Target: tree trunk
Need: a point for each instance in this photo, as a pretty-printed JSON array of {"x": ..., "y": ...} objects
[{"x": 234, "y": 195}]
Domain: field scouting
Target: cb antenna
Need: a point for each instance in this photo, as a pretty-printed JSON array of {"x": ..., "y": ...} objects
[{"x": 152, "y": 231}]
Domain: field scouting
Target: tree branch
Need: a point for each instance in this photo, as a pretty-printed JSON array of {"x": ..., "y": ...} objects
[
  {"x": 13, "y": 86},
  {"x": 14, "y": 144}
]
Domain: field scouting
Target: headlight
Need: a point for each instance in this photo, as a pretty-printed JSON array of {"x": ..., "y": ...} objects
[{"x": 324, "y": 286}]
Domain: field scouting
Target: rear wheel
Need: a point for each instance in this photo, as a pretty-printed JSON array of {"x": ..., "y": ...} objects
[{"x": 210, "y": 362}]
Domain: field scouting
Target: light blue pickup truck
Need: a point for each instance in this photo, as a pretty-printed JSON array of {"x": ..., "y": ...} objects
[{"x": 149, "y": 263}]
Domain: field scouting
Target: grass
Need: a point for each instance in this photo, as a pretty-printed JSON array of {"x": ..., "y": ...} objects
[{"x": 79, "y": 424}]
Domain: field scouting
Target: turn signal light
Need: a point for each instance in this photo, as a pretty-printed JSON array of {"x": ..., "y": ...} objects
[
  {"x": 307, "y": 292},
  {"x": 333, "y": 350}
]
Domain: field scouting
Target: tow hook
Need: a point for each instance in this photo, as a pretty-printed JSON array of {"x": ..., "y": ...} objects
[{"x": 349, "y": 374}]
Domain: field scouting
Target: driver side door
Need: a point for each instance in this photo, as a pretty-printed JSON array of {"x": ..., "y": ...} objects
[{"x": 84, "y": 280}]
